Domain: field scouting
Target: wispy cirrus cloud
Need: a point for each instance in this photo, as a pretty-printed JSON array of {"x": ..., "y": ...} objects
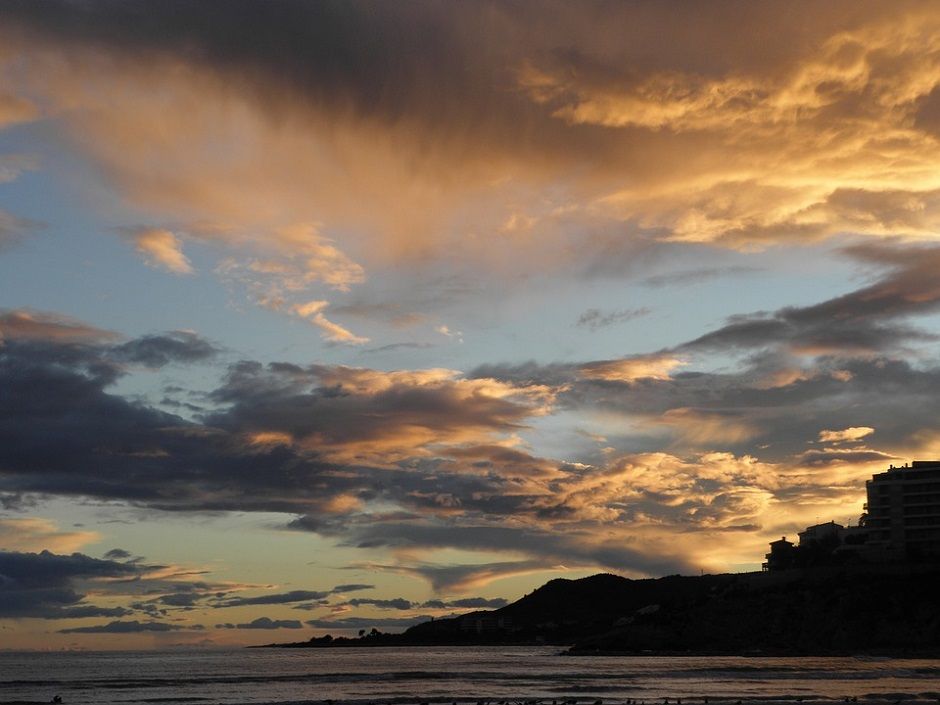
[
  {"x": 594, "y": 318},
  {"x": 313, "y": 311}
]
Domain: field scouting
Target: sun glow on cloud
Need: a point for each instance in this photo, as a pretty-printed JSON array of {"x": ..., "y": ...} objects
[
  {"x": 313, "y": 312},
  {"x": 35, "y": 534},
  {"x": 161, "y": 248},
  {"x": 687, "y": 263}
]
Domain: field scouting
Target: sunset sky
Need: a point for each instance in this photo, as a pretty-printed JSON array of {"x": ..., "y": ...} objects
[{"x": 320, "y": 316}]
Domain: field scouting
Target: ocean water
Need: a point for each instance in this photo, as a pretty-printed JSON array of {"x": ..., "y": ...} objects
[{"x": 447, "y": 674}]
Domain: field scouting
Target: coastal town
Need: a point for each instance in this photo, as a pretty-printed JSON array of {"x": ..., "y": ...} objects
[{"x": 900, "y": 523}]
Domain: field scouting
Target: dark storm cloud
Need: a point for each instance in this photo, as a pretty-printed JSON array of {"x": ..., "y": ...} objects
[
  {"x": 387, "y": 63},
  {"x": 120, "y": 450},
  {"x": 15, "y": 501},
  {"x": 160, "y": 350},
  {"x": 471, "y": 80},
  {"x": 61, "y": 432},
  {"x": 43, "y": 584},
  {"x": 129, "y": 627},
  {"x": 47, "y": 569},
  {"x": 644, "y": 121}
]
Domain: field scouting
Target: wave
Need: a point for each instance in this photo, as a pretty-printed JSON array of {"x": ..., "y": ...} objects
[{"x": 748, "y": 673}]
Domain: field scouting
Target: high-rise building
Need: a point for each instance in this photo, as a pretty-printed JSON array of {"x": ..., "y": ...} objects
[
  {"x": 901, "y": 524},
  {"x": 903, "y": 511}
]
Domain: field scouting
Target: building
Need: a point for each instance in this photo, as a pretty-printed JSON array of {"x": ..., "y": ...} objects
[
  {"x": 903, "y": 511},
  {"x": 780, "y": 556},
  {"x": 827, "y": 533},
  {"x": 484, "y": 622},
  {"x": 901, "y": 523}
]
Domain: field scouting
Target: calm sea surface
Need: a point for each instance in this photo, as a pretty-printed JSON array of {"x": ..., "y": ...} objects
[{"x": 446, "y": 674}]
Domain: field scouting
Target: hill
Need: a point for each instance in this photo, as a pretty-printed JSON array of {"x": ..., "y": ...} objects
[{"x": 851, "y": 610}]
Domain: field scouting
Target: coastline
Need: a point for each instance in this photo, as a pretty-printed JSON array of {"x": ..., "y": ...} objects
[
  {"x": 678, "y": 699},
  {"x": 571, "y": 649}
]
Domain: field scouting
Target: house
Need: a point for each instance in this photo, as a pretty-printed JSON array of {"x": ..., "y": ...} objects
[
  {"x": 827, "y": 533},
  {"x": 780, "y": 556}
]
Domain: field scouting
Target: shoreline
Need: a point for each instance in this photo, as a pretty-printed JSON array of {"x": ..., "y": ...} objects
[
  {"x": 570, "y": 649},
  {"x": 681, "y": 699}
]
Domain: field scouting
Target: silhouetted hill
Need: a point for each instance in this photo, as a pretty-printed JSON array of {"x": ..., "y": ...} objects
[
  {"x": 816, "y": 612},
  {"x": 562, "y": 611},
  {"x": 887, "y": 609}
]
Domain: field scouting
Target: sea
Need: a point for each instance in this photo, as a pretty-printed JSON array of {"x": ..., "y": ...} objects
[{"x": 466, "y": 675}]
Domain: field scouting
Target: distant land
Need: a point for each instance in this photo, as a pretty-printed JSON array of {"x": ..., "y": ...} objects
[{"x": 846, "y": 610}]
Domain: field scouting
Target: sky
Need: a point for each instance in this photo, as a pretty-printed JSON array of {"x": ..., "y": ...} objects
[{"x": 319, "y": 317}]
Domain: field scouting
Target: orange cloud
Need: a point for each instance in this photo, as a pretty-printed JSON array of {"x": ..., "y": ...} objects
[
  {"x": 386, "y": 418},
  {"x": 776, "y": 136},
  {"x": 24, "y": 324},
  {"x": 313, "y": 311},
  {"x": 855, "y": 433},
  {"x": 34, "y": 534},
  {"x": 632, "y": 369},
  {"x": 162, "y": 249},
  {"x": 15, "y": 109}
]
